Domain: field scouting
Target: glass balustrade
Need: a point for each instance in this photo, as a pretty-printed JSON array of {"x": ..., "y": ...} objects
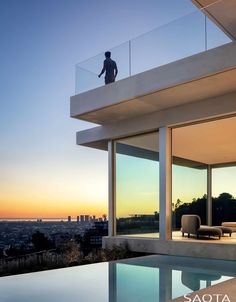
[{"x": 183, "y": 37}]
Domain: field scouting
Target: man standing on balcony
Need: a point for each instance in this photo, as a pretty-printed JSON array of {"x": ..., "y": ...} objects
[{"x": 110, "y": 67}]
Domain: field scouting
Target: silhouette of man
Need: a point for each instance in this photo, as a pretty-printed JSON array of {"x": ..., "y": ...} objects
[{"x": 109, "y": 66}]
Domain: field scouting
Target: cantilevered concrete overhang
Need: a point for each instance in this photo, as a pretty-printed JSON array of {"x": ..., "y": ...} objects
[
  {"x": 222, "y": 13},
  {"x": 205, "y": 75},
  {"x": 218, "y": 136}
]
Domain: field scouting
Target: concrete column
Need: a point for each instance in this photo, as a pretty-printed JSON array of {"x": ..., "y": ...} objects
[
  {"x": 209, "y": 195},
  {"x": 165, "y": 183},
  {"x": 112, "y": 188}
]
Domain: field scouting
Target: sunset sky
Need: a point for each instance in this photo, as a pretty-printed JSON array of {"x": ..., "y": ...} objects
[{"x": 42, "y": 171}]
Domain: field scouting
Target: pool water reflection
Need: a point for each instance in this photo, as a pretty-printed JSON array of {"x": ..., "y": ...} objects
[{"x": 152, "y": 278}]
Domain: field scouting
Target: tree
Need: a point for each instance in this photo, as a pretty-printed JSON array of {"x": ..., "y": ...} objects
[
  {"x": 223, "y": 209},
  {"x": 41, "y": 242},
  {"x": 73, "y": 253},
  {"x": 225, "y": 196}
]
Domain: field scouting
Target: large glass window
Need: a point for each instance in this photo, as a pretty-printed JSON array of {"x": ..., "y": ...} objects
[
  {"x": 189, "y": 193},
  {"x": 137, "y": 185},
  {"x": 199, "y": 150},
  {"x": 189, "y": 176},
  {"x": 224, "y": 195}
]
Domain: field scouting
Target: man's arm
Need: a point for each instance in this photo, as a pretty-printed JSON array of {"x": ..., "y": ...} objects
[
  {"x": 103, "y": 70},
  {"x": 116, "y": 70}
]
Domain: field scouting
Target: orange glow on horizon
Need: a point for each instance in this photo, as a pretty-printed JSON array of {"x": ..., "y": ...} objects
[
  {"x": 50, "y": 197},
  {"x": 23, "y": 208}
]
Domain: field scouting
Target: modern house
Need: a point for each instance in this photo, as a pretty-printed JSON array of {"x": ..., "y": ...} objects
[{"x": 169, "y": 126}]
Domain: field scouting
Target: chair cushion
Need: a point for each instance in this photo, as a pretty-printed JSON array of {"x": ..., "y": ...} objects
[
  {"x": 229, "y": 224},
  {"x": 224, "y": 229},
  {"x": 209, "y": 231}
]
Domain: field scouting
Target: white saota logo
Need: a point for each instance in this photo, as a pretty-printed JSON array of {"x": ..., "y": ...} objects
[{"x": 207, "y": 298}]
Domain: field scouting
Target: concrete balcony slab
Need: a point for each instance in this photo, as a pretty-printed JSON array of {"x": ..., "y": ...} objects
[{"x": 205, "y": 75}]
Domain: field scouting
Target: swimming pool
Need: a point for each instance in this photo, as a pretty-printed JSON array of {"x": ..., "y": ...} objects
[{"x": 145, "y": 279}]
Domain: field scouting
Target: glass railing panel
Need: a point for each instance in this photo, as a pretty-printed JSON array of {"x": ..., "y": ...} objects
[
  {"x": 215, "y": 36},
  {"x": 176, "y": 40},
  {"x": 121, "y": 55},
  {"x": 86, "y": 80},
  {"x": 183, "y": 37},
  {"x": 87, "y": 72},
  {"x": 93, "y": 64}
]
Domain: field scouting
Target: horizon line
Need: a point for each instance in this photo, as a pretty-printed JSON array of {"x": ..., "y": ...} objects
[{"x": 27, "y": 218}]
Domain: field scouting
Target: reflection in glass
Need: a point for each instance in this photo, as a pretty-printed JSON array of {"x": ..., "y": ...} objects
[
  {"x": 224, "y": 195},
  {"x": 137, "y": 185},
  {"x": 189, "y": 193},
  {"x": 189, "y": 175},
  {"x": 198, "y": 150}
]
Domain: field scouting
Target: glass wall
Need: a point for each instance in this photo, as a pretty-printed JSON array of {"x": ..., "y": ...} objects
[
  {"x": 137, "y": 185},
  {"x": 189, "y": 176},
  {"x": 203, "y": 162},
  {"x": 189, "y": 193},
  {"x": 195, "y": 149},
  {"x": 223, "y": 194}
]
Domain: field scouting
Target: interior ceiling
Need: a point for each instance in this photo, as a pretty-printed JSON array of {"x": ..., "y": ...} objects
[
  {"x": 222, "y": 13},
  {"x": 211, "y": 142}
]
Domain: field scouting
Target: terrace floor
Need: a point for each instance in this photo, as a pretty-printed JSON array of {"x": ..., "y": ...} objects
[
  {"x": 212, "y": 248},
  {"x": 177, "y": 235}
]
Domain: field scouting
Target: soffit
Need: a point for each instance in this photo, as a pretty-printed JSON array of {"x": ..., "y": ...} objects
[
  {"x": 209, "y": 143},
  {"x": 203, "y": 88},
  {"x": 222, "y": 13}
]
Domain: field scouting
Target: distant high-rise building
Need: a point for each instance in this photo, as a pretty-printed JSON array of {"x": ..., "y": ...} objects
[
  {"x": 86, "y": 217},
  {"x": 69, "y": 218},
  {"x": 104, "y": 216},
  {"x": 81, "y": 218},
  {"x": 94, "y": 217},
  {"x": 77, "y": 219}
]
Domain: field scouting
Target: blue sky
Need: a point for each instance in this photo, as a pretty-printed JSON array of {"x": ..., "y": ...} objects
[{"x": 41, "y": 41}]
